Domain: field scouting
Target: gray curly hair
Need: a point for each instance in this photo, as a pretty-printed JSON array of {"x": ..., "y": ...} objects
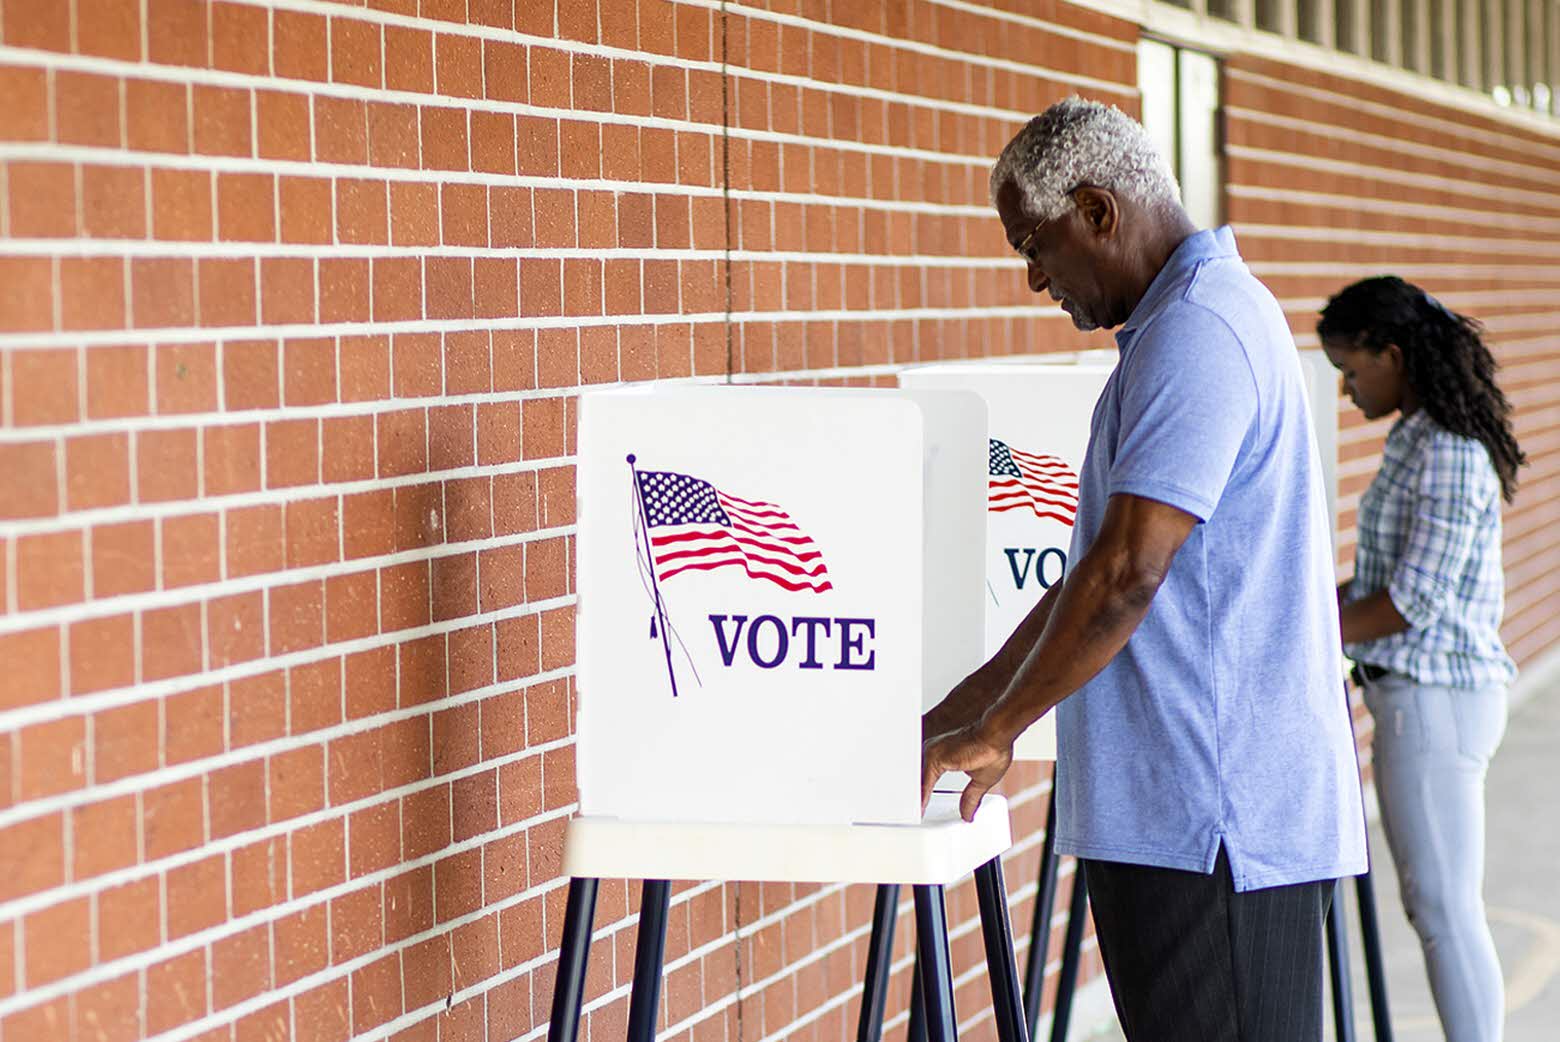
[{"x": 1081, "y": 142}]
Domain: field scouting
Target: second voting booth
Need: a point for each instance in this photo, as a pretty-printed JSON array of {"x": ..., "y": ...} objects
[{"x": 1038, "y": 429}]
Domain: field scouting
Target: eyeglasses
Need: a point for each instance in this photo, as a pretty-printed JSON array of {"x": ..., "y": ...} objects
[{"x": 1026, "y": 247}]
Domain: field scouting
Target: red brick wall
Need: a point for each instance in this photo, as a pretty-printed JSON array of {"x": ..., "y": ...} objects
[
  {"x": 1332, "y": 180},
  {"x": 295, "y": 302},
  {"x": 296, "y": 299}
]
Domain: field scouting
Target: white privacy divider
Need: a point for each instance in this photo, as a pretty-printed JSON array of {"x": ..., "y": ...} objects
[
  {"x": 1039, "y": 416},
  {"x": 1321, "y": 384},
  {"x": 773, "y": 582}
]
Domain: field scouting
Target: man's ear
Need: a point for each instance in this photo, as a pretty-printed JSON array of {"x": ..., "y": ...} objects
[
  {"x": 1394, "y": 355},
  {"x": 1099, "y": 209}
]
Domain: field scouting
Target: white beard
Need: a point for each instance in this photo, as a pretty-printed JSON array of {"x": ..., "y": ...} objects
[{"x": 1079, "y": 319}]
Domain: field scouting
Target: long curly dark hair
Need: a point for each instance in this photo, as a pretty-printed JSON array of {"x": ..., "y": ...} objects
[{"x": 1445, "y": 361}]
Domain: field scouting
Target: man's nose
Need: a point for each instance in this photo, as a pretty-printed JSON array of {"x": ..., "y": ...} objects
[
  {"x": 1343, "y": 385},
  {"x": 1038, "y": 282}
]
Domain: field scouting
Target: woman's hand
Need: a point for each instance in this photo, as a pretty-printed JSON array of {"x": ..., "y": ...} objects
[{"x": 1370, "y": 618}]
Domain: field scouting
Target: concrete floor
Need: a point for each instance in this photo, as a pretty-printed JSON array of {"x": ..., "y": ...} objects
[{"x": 1522, "y": 889}]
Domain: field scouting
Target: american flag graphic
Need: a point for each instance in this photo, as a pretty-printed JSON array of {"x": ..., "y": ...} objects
[
  {"x": 694, "y": 526},
  {"x": 1026, "y": 481}
]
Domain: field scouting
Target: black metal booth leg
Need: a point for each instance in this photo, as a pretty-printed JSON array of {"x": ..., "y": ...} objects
[
  {"x": 1370, "y": 940},
  {"x": 1040, "y": 927},
  {"x": 1375, "y": 969},
  {"x": 916, "y": 1032},
  {"x": 644, "y": 999},
  {"x": 569, "y": 991},
  {"x": 931, "y": 929},
  {"x": 880, "y": 957},
  {"x": 1338, "y": 966},
  {"x": 1072, "y": 953},
  {"x": 1007, "y": 1002}
]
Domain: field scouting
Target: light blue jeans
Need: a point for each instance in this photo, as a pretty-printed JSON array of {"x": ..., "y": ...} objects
[{"x": 1432, "y": 750}]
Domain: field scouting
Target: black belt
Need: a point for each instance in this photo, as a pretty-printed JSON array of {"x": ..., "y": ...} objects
[{"x": 1364, "y": 673}]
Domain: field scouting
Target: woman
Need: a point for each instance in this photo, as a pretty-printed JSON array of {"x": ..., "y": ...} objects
[{"x": 1421, "y": 618}]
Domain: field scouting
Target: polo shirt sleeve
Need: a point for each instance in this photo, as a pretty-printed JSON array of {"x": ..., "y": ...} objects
[
  {"x": 1188, "y": 404},
  {"x": 1455, "y": 487}
]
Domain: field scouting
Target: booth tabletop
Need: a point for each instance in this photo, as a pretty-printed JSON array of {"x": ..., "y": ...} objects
[{"x": 939, "y": 851}]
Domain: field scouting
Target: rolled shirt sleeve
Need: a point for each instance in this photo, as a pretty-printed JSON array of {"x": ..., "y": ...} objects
[
  {"x": 1186, "y": 413},
  {"x": 1455, "y": 487}
]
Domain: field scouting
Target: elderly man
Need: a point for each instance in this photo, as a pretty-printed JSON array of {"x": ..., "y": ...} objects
[{"x": 1207, "y": 775}]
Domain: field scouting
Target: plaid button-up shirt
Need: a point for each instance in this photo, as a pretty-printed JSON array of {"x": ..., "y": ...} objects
[{"x": 1429, "y": 534}]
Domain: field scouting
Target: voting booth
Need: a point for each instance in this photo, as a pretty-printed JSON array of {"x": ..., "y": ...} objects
[
  {"x": 1038, "y": 417},
  {"x": 773, "y": 582}
]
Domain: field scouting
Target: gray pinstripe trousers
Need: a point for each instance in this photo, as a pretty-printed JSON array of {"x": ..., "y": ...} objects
[{"x": 1191, "y": 960}]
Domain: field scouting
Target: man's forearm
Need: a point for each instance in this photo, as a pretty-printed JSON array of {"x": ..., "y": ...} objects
[
  {"x": 1005, "y": 664},
  {"x": 1095, "y": 614},
  {"x": 971, "y": 699}
]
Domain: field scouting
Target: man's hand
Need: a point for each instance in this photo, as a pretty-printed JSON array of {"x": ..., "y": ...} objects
[{"x": 964, "y": 749}]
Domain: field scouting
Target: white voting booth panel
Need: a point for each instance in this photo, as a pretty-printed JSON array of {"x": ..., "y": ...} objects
[
  {"x": 1098, "y": 356},
  {"x": 767, "y": 596},
  {"x": 1105, "y": 356},
  {"x": 1321, "y": 383},
  {"x": 1039, "y": 430}
]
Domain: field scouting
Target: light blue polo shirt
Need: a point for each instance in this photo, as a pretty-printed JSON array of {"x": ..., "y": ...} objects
[{"x": 1223, "y": 720}]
